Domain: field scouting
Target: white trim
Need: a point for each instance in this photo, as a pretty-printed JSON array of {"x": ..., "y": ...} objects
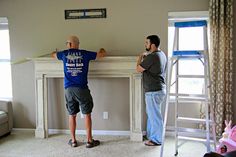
[
  {"x": 78, "y": 132},
  {"x": 5, "y": 60},
  {"x": 3, "y": 20},
  {"x": 3, "y": 23},
  {"x": 23, "y": 130},
  {"x": 169, "y": 132},
  {"x": 95, "y": 132},
  {"x": 6, "y": 98},
  {"x": 187, "y": 16}
]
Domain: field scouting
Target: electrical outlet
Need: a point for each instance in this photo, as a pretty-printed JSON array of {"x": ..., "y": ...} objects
[{"x": 105, "y": 115}]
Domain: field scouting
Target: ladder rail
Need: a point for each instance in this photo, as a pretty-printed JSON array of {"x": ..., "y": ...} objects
[
  {"x": 206, "y": 106},
  {"x": 167, "y": 105},
  {"x": 176, "y": 105},
  {"x": 176, "y": 47}
]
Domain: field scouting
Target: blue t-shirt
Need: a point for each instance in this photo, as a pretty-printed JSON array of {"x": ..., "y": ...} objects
[{"x": 76, "y": 65}]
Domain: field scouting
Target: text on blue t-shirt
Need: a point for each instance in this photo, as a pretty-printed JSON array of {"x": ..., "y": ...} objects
[{"x": 76, "y": 65}]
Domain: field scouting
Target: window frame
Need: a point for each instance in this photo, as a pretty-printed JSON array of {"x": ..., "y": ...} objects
[{"x": 179, "y": 17}]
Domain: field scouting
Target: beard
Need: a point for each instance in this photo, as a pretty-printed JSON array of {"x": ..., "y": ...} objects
[{"x": 147, "y": 49}]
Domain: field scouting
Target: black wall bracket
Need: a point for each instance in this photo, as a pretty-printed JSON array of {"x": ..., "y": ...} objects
[{"x": 85, "y": 13}]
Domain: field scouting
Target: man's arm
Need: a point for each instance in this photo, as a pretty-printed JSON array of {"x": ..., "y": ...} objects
[
  {"x": 54, "y": 54},
  {"x": 139, "y": 68},
  {"x": 101, "y": 53}
]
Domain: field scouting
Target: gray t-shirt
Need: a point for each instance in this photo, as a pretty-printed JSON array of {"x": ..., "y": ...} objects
[{"x": 155, "y": 71}]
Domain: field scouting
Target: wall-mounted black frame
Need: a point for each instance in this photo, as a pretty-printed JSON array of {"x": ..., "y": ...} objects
[{"x": 85, "y": 13}]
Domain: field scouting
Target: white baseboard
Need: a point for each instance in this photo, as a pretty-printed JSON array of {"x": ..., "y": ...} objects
[
  {"x": 23, "y": 130},
  {"x": 95, "y": 132},
  {"x": 78, "y": 132},
  {"x": 169, "y": 132}
]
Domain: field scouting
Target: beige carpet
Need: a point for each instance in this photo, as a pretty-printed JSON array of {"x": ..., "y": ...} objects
[{"x": 23, "y": 144}]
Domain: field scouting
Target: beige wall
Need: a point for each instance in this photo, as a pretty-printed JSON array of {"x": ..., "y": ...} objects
[
  {"x": 101, "y": 89},
  {"x": 39, "y": 27}
]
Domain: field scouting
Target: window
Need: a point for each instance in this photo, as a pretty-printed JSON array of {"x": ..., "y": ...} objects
[
  {"x": 189, "y": 39},
  {"x": 5, "y": 64}
]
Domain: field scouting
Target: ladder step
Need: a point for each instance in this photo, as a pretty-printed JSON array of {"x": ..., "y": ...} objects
[
  {"x": 194, "y": 120},
  {"x": 194, "y": 139},
  {"x": 191, "y": 130},
  {"x": 190, "y": 53},
  {"x": 191, "y": 99},
  {"x": 188, "y": 95},
  {"x": 192, "y": 76},
  {"x": 184, "y": 129},
  {"x": 194, "y": 133}
]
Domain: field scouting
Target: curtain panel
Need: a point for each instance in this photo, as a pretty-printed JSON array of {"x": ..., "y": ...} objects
[{"x": 221, "y": 60}]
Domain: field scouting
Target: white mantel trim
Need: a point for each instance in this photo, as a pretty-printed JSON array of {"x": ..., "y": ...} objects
[{"x": 112, "y": 66}]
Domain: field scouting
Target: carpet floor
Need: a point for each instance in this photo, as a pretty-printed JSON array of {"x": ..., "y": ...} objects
[{"x": 24, "y": 144}]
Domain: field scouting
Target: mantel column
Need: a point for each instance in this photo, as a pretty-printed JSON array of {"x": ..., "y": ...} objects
[
  {"x": 136, "y": 101},
  {"x": 41, "y": 108}
]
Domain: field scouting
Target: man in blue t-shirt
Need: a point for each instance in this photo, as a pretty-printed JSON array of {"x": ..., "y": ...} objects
[
  {"x": 77, "y": 93},
  {"x": 152, "y": 65}
]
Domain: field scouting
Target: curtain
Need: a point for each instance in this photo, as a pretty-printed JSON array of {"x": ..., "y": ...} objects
[{"x": 221, "y": 60}]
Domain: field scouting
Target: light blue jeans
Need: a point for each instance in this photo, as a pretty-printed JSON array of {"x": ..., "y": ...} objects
[{"x": 154, "y": 101}]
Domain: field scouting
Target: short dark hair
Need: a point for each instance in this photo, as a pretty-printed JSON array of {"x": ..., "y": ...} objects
[{"x": 154, "y": 39}]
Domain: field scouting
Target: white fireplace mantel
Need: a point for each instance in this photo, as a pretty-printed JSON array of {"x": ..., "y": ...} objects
[{"x": 112, "y": 66}]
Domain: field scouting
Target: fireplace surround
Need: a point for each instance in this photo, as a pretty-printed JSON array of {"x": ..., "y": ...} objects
[{"x": 111, "y": 66}]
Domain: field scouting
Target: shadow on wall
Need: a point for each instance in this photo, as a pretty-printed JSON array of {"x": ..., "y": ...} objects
[
  {"x": 21, "y": 116},
  {"x": 57, "y": 113}
]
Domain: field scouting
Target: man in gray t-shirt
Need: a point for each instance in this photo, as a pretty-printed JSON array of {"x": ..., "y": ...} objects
[{"x": 153, "y": 68}]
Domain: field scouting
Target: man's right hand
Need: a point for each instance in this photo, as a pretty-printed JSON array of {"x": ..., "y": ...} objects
[
  {"x": 54, "y": 54},
  {"x": 101, "y": 53}
]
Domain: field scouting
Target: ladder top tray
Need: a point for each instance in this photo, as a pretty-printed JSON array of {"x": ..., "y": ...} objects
[
  {"x": 187, "y": 53},
  {"x": 191, "y": 24}
]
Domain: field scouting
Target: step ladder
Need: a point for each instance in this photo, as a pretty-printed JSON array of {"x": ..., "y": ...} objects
[{"x": 180, "y": 99}]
